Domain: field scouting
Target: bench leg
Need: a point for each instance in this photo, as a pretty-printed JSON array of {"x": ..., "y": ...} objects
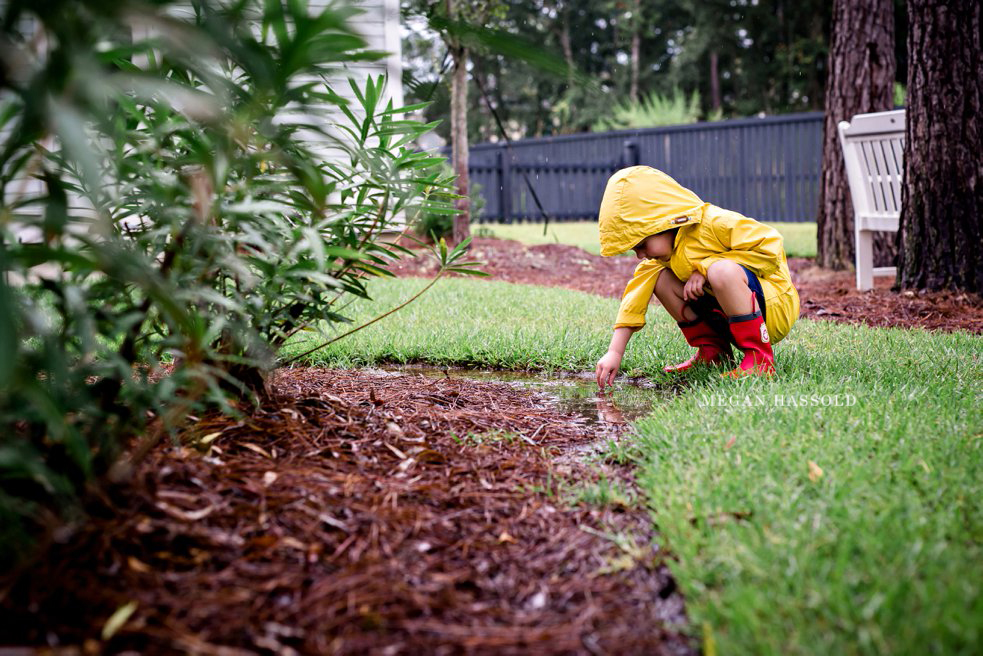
[{"x": 865, "y": 260}]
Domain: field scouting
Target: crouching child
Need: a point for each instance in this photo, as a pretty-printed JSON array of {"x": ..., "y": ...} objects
[{"x": 722, "y": 276}]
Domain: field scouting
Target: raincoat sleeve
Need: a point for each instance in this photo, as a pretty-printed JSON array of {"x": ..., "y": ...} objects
[
  {"x": 749, "y": 242},
  {"x": 639, "y": 290}
]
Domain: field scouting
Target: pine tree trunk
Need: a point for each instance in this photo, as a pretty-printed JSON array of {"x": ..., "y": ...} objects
[
  {"x": 715, "y": 100},
  {"x": 941, "y": 238},
  {"x": 636, "y": 49},
  {"x": 860, "y": 79},
  {"x": 567, "y": 49},
  {"x": 459, "y": 144}
]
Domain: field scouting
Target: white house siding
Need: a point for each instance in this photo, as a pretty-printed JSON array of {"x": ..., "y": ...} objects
[
  {"x": 23, "y": 186},
  {"x": 379, "y": 24}
]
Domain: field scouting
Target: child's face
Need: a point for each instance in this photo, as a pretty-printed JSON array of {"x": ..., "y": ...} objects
[{"x": 655, "y": 247}]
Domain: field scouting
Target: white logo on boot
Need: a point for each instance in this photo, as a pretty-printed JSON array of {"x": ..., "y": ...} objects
[{"x": 764, "y": 333}]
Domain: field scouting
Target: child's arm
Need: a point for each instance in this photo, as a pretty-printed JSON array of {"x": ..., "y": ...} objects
[
  {"x": 607, "y": 367},
  {"x": 760, "y": 246},
  {"x": 638, "y": 293},
  {"x": 631, "y": 318}
]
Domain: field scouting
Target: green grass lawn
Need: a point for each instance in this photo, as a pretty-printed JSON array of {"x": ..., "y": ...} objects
[
  {"x": 878, "y": 553},
  {"x": 800, "y": 238}
]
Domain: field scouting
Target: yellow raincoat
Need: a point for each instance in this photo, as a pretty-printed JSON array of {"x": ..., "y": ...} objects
[{"x": 640, "y": 201}]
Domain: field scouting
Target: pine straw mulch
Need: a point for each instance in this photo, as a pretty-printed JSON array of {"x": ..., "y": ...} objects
[
  {"x": 550, "y": 265},
  {"x": 833, "y": 295},
  {"x": 824, "y": 294},
  {"x": 355, "y": 515}
]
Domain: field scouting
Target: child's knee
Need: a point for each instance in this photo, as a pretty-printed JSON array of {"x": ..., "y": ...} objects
[{"x": 724, "y": 272}]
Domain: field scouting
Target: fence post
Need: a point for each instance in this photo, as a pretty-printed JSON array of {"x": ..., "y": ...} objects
[
  {"x": 629, "y": 154},
  {"x": 504, "y": 186}
]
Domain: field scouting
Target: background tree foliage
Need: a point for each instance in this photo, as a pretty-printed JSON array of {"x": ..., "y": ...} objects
[
  {"x": 453, "y": 20},
  {"x": 743, "y": 58}
]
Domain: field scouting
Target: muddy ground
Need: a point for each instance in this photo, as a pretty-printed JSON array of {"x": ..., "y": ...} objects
[
  {"x": 824, "y": 294},
  {"x": 360, "y": 513}
]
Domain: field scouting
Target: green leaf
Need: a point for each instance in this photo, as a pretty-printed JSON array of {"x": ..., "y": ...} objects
[
  {"x": 32, "y": 254},
  {"x": 345, "y": 253},
  {"x": 510, "y": 46},
  {"x": 316, "y": 245},
  {"x": 273, "y": 17},
  {"x": 371, "y": 95},
  {"x": 468, "y": 272},
  {"x": 69, "y": 125},
  {"x": 406, "y": 109}
]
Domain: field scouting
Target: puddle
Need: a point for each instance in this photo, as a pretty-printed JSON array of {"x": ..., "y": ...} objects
[{"x": 574, "y": 394}]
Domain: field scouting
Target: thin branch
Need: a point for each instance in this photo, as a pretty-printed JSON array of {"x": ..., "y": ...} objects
[{"x": 369, "y": 323}]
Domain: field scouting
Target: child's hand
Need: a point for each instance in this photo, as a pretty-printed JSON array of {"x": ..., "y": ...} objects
[
  {"x": 694, "y": 286},
  {"x": 607, "y": 368}
]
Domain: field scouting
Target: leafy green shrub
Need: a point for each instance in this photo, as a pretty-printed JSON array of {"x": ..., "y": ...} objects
[
  {"x": 651, "y": 111},
  {"x": 185, "y": 218},
  {"x": 438, "y": 224}
]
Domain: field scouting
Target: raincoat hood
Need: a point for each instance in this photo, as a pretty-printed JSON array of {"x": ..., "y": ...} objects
[{"x": 640, "y": 201}]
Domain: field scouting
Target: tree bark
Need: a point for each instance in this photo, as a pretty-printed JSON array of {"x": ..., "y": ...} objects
[
  {"x": 860, "y": 79},
  {"x": 715, "y": 100},
  {"x": 942, "y": 199},
  {"x": 636, "y": 49},
  {"x": 459, "y": 133},
  {"x": 459, "y": 145},
  {"x": 567, "y": 47}
]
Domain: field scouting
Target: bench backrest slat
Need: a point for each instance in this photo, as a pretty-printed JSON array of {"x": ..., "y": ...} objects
[
  {"x": 873, "y": 153},
  {"x": 873, "y": 150}
]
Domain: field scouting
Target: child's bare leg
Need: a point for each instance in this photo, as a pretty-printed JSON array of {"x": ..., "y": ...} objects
[
  {"x": 747, "y": 327},
  {"x": 669, "y": 291},
  {"x": 729, "y": 284}
]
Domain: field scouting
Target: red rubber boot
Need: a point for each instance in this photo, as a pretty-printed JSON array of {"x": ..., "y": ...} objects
[
  {"x": 751, "y": 336},
  {"x": 713, "y": 347}
]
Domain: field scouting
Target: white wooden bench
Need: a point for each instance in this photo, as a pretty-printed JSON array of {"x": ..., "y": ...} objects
[{"x": 873, "y": 145}]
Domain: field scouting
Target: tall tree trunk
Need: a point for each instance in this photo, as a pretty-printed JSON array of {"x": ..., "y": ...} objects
[
  {"x": 715, "y": 100},
  {"x": 567, "y": 47},
  {"x": 942, "y": 198},
  {"x": 562, "y": 30},
  {"x": 459, "y": 143},
  {"x": 636, "y": 49},
  {"x": 782, "y": 85},
  {"x": 459, "y": 129},
  {"x": 860, "y": 79}
]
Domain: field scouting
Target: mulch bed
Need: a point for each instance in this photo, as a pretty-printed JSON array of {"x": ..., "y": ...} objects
[
  {"x": 824, "y": 294},
  {"x": 833, "y": 295},
  {"x": 355, "y": 514},
  {"x": 550, "y": 265}
]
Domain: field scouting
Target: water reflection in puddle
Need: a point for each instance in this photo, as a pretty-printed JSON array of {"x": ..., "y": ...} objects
[{"x": 575, "y": 394}]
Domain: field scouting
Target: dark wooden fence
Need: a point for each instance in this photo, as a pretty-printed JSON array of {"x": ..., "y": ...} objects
[{"x": 766, "y": 168}]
